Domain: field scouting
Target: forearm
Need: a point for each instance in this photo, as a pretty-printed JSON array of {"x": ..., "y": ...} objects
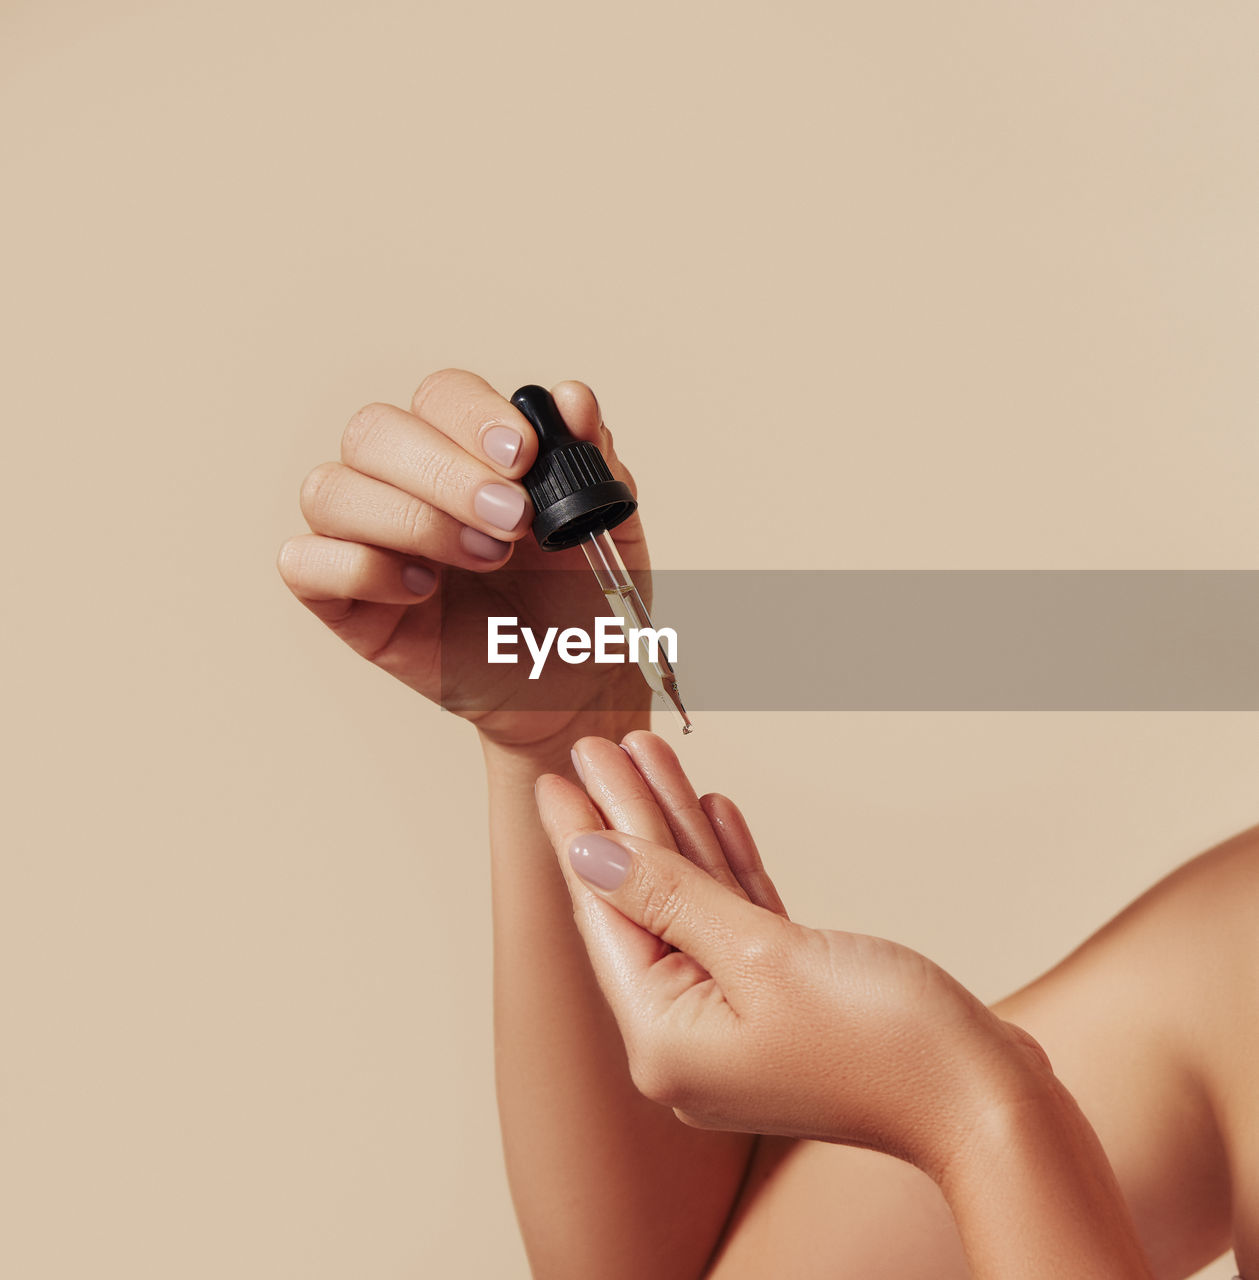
[
  {"x": 604, "y": 1181},
  {"x": 1034, "y": 1196}
]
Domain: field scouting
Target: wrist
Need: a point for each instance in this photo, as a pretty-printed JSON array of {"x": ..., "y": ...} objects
[
  {"x": 1014, "y": 1107},
  {"x": 1016, "y": 1111},
  {"x": 998, "y": 1080},
  {"x": 1031, "y": 1188}
]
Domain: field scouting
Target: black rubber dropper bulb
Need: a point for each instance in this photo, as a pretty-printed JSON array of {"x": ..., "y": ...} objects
[
  {"x": 576, "y": 501},
  {"x": 572, "y": 489}
]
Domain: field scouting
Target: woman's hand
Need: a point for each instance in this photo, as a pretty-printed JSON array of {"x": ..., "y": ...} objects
[
  {"x": 738, "y": 1018},
  {"x": 409, "y": 527}
]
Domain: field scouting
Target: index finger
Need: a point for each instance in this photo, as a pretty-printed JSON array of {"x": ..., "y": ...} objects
[
  {"x": 692, "y": 830},
  {"x": 466, "y": 408},
  {"x": 565, "y": 810},
  {"x": 619, "y": 790}
]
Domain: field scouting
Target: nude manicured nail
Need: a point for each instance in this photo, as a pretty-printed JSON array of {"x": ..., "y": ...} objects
[
  {"x": 581, "y": 777},
  {"x": 419, "y": 579},
  {"x": 481, "y": 545},
  {"x": 598, "y": 861},
  {"x": 499, "y": 506},
  {"x": 501, "y": 445}
]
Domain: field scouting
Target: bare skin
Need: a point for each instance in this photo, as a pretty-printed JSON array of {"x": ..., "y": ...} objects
[
  {"x": 1133, "y": 1156},
  {"x": 906, "y": 1220}
]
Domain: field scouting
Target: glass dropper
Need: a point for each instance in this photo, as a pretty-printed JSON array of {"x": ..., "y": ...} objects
[
  {"x": 576, "y": 502},
  {"x": 621, "y": 593}
]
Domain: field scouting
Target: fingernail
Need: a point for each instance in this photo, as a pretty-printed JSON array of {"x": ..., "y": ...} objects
[
  {"x": 419, "y": 579},
  {"x": 481, "y": 545},
  {"x": 501, "y": 445},
  {"x": 499, "y": 506},
  {"x": 599, "y": 861},
  {"x": 581, "y": 777}
]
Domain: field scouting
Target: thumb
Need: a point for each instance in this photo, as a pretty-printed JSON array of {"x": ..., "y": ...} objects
[{"x": 670, "y": 897}]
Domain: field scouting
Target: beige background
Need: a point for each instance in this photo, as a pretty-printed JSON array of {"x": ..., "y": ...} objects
[{"x": 988, "y": 271}]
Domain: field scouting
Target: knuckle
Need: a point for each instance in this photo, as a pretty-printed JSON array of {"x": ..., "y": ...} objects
[
  {"x": 465, "y": 413},
  {"x": 318, "y": 489},
  {"x": 755, "y": 954},
  {"x": 766, "y": 952},
  {"x": 363, "y": 427},
  {"x": 443, "y": 473},
  {"x": 428, "y": 385},
  {"x": 662, "y": 904},
  {"x": 416, "y": 521}
]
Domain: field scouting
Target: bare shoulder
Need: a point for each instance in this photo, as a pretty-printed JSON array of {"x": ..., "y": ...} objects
[
  {"x": 1177, "y": 969},
  {"x": 1211, "y": 971},
  {"x": 1211, "y": 897},
  {"x": 1152, "y": 1023}
]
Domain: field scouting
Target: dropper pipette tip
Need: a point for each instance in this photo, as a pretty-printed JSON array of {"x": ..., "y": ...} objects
[{"x": 676, "y": 699}]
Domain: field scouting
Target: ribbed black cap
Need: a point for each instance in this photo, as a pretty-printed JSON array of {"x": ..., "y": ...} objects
[{"x": 573, "y": 491}]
